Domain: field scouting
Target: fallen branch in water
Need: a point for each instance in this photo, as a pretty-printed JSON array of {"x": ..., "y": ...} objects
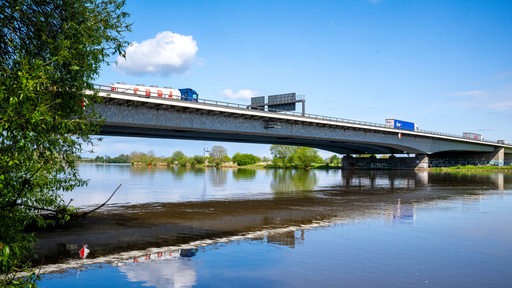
[
  {"x": 63, "y": 214},
  {"x": 84, "y": 214}
]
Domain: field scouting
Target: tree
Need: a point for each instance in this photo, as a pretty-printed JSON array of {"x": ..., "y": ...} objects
[
  {"x": 51, "y": 53},
  {"x": 304, "y": 157},
  {"x": 138, "y": 158},
  {"x": 334, "y": 160},
  {"x": 292, "y": 156},
  {"x": 218, "y": 155},
  {"x": 179, "y": 157},
  {"x": 281, "y": 155},
  {"x": 197, "y": 160},
  {"x": 245, "y": 159},
  {"x": 121, "y": 158}
]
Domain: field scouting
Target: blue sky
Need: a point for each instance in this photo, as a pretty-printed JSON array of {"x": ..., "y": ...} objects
[{"x": 445, "y": 65}]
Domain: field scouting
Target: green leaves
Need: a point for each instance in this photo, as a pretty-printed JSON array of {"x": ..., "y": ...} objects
[
  {"x": 51, "y": 51},
  {"x": 243, "y": 159},
  {"x": 292, "y": 156}
]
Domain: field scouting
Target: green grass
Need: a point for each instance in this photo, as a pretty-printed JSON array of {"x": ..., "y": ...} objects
[{"x": 473, "y": 168}]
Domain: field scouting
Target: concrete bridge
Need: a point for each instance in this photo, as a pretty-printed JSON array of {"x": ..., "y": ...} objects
[{"x": 130, "y": 115}]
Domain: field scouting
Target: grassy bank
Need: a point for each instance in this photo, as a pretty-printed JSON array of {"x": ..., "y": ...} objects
[{"x": 470, "y": 168}]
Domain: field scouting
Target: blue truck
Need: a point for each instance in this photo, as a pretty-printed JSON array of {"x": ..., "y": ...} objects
[
  {"x": 188, "y": 94},
  {"x": 400, "y": 124}
]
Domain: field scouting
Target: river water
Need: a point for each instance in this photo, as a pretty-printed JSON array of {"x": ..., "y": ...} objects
[{"x": 284, "y": 228}]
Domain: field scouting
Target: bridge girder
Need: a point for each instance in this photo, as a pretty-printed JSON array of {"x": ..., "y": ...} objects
[{"x": 125, "y": 116}]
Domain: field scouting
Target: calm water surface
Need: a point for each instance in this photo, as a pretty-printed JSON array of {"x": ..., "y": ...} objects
[{"x": 285, "y": 228}]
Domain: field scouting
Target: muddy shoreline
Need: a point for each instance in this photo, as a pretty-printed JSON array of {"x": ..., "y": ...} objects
[{"x": 117, "y": 229}]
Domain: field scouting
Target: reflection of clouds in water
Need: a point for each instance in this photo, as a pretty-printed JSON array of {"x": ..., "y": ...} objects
[
  {"x": 171, "y": 273},
  {"x": 404, "y": 213}
]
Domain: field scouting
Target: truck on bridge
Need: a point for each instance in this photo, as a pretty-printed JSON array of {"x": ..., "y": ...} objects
[
  {"x": 472, "y": 136},
  {"x": 186, "y": 94},
  {"x": 400, "y": 124}
]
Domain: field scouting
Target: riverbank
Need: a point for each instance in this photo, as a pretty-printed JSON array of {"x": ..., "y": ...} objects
[
  {"x": 470, "y": 168},
  {"x": 267, "y": 165}
]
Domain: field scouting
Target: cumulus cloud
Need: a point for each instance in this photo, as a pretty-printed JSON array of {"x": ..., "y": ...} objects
[
  {"x": 241, "y": 94},
  {"x": 167, "y": 53}
]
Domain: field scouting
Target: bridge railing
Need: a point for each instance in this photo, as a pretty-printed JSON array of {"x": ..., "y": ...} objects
[{"x": 216, "y": 103}]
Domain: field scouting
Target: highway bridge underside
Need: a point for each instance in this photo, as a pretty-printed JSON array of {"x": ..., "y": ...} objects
[
  {"x": 246, "y": 129},
  {"x": 197, "y": 124},
  {"x": 341, "y": 146}
]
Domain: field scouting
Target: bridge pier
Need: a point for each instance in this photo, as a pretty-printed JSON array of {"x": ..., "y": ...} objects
[{"x": 499, "y": 157}]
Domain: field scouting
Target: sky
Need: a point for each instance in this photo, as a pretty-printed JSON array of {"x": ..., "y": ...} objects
[{"x": 444, "y": 65}]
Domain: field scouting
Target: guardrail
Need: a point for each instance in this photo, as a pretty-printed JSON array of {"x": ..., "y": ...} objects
[{"x": 106, "y": 88}]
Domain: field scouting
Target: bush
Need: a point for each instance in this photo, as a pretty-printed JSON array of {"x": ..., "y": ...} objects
[{"x": 245, "y": 159}]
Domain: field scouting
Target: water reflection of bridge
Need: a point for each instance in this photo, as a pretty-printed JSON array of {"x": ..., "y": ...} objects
[
  {"x": 411, "y": 179},
  {"x": 384, "y": 179}
]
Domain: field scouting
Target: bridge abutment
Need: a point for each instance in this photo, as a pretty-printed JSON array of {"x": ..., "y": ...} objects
[{"x": 499, "y": 157}]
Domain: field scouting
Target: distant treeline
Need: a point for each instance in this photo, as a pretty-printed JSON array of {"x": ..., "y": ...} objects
[
  {"x": 282, "y": 157},
  {"x": 149, "y": 159}
]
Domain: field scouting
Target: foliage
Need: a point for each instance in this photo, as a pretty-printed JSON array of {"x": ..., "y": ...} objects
[
  {"x": 304, "y": 157},
  {"x": 334, "y": 160},
  {"x": 218, "y": 155},
  {"x": 282, "y": 155},
  {"x": 141, "y": 157},
  {"x": 197, "y": 160},
  {"x": 121, "y": 158},
  {"x": 149, "y": 159},
  {"x": 292, "y": 156},
  {"x": 51, "y": 51},
  {"x": 179, "y": 158},
  {"x": 243, "y": 159},
  {"x": 10, "y": 262}
]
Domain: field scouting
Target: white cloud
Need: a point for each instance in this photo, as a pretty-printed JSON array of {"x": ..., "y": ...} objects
[
  {"x": 505, "y": 105},
  {"x": 167, "y": 53},
  {"x": 496, "y": 99},
  {"x": 471, "y": 93},
  {"x": 241, "y": 94}
]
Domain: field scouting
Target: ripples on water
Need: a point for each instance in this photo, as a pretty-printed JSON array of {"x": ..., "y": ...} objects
[{"x": 268, "y": 228}]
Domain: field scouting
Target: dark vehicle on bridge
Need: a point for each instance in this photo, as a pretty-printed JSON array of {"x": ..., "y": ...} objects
[{"x": 185, "y": 94}]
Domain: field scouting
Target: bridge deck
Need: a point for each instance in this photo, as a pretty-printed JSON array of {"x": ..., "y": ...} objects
[{"x": 130, "y": 115}]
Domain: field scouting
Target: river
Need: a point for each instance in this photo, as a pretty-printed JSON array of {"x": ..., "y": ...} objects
[{"x": 284, "y": 228}]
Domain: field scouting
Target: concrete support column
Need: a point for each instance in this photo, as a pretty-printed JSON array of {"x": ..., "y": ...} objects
[
  {"x": 498, "y": 158},
  {"x": 421, "y": 161}
]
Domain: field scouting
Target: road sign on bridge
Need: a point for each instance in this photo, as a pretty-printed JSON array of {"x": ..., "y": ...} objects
[{"x": 278, "y": 102}]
